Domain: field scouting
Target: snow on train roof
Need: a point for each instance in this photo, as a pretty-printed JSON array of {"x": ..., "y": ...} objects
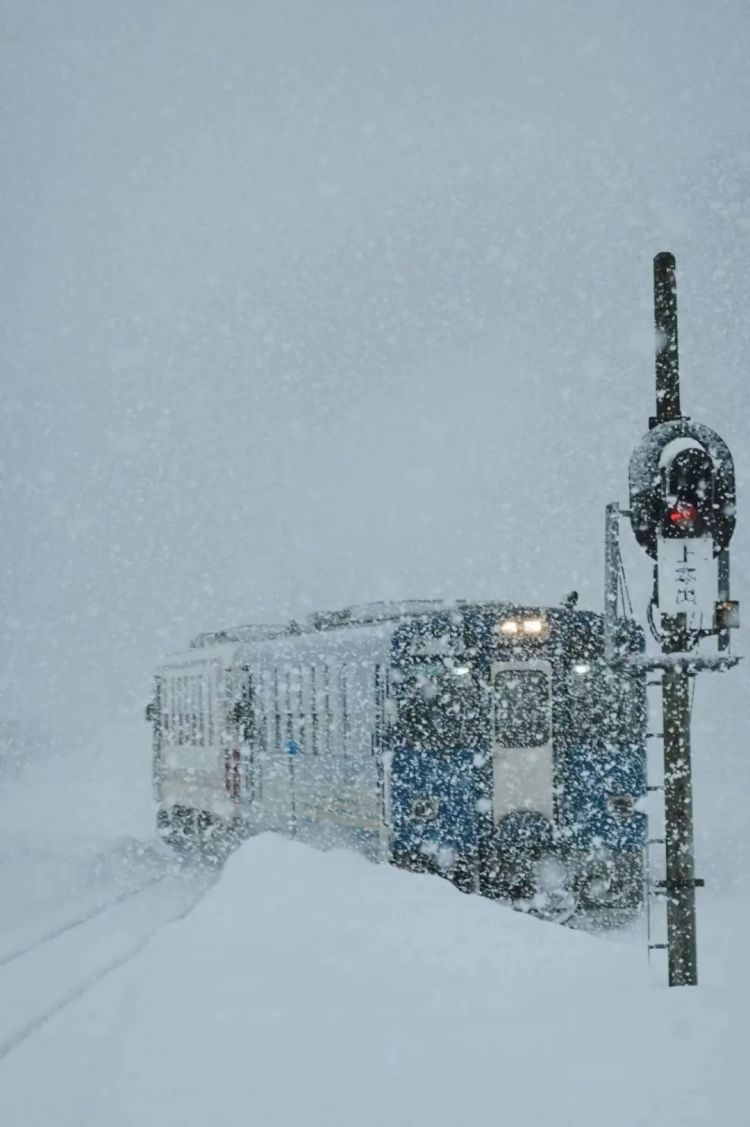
[
  {"x": 359, "y": 615},
  {"x": 224, "y": 644},
  {"x": 248, "y": 633}
]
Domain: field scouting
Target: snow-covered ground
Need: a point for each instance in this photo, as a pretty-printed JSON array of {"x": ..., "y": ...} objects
[
  {"x": 83, "y": 883},
  {"x": 300, "y": 986},
  {"x": 317, "y": 988}
]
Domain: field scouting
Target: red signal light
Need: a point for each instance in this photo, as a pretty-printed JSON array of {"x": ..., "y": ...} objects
[{"x": 684, "y": 513}]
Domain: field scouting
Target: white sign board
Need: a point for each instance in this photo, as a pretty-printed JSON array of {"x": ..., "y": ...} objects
[{"x": 688, "y": 579}]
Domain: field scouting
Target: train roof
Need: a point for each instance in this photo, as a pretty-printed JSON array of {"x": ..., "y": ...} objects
[
  {"x": 224, "y": 645},
  {"x": 367, "y": 614},
  {"x": 253, "y": 632},
  {"x": 360, "y": 615}
]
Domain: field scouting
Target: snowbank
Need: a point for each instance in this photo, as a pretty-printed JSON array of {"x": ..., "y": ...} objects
[{"x": 316, "y": 988}]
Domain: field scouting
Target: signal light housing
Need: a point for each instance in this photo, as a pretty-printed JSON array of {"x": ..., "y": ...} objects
[{"x": 682, "y": 485}]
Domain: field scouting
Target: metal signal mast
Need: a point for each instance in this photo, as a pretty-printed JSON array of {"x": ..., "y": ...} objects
[{"x": 682, "y": 511}]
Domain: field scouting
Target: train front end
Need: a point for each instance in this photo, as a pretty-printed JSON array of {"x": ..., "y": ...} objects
[{"x": 517, "y": 763}]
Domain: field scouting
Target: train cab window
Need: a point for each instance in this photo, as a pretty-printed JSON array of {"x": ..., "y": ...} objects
[
  {"x": 438, "y": 707},
  {"x": 522, "y": 708},
  {"x": 592, "y": 698}
]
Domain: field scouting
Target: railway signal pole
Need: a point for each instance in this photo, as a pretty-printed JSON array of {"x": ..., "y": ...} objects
[
  {"x": 682, "y": 510},
  {"x": 678, "y": 807},
  {"x": 678, "y": 782}
]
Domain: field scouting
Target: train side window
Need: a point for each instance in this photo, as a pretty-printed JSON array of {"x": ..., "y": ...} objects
[
  {"x": 289, "y": 722},
  {"x": 277, "y": 705},
  {"x": 180, "y": 686},
  {"x": 327, "y": 711},
  {"x": 187, "y": 710},
  {"x": 267, "y": 708},
  {"x": 301, "y": 710},
  {"x": 194, "y": 712},
  {"x": 380, "y": 697},
  {"x": 262, "y": 711},
  {"x": 314, "y": 732},
  {"x": 344, "y": 699},
  {"x": 200, "y": 716},
  {"x": 244, "y": 709},
  {"x": 166, "y": 704},
  {"x": 210, "y": 706},
  {"x": 522, "y": 708},
  {"x": 175, "y": 709}
]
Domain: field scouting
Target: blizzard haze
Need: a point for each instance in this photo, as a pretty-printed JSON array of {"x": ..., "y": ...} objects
[{"x": 308, "y": 304}]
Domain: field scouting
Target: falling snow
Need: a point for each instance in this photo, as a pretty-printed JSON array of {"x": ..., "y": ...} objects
[{"x": 307, "y": 305}]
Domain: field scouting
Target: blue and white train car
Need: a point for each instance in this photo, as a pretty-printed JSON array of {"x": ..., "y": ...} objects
[{"x": 484, "y": 741}]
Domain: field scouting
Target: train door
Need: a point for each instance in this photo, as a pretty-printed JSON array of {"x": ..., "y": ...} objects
[{"x": 522, "y": 737}]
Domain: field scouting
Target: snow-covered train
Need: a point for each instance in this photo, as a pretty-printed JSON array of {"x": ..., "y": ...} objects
[{"x": 488, "y": 742}]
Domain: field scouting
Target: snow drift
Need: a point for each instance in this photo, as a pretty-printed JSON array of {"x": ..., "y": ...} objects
[{"x": 317, "y": 988}]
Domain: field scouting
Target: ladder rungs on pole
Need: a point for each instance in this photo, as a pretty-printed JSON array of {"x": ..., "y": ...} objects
[{"x": 670, "y": 885}]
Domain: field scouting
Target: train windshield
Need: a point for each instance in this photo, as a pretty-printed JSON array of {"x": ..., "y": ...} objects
[
  {"x": 599, "y": 700},
  {"x": 522, "y": 708},
  {"x": 438, "y": 707}
]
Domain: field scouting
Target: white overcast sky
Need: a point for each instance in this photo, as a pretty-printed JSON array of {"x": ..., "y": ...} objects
[{"x": 312, "y": 303}]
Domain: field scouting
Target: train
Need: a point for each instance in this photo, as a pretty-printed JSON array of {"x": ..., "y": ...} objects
[{"x": 487, "y": 742}]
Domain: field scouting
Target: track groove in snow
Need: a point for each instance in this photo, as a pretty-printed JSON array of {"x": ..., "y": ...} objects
[
  {"x": 56, "y": 970},
  {"x": 19, "y": 952}
]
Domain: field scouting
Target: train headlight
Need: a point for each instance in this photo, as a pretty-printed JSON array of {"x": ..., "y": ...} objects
[
  {"x": 509, "y": 626},
  {"x": 533, "y": 627}
]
